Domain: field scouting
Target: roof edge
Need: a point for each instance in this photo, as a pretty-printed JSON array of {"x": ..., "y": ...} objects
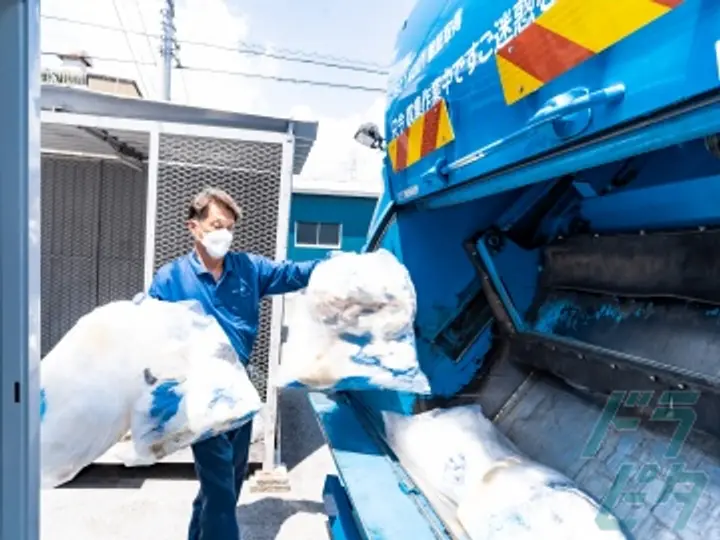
[
  {"x": 342, "y": 189},
  {"x": 84, "y": 101}
]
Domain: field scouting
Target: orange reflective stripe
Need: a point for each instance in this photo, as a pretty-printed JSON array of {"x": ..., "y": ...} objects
[
  {"x": 401, "y": 149},
  {"x": 426, "y": 134},
  {"x": 430, "y": 131},
  {"x": 672, "y": 4},
  {"x": 445, "y": 134},
  {"x": 415, "y": 138},
  {"x": 568, "y": 34},
  {"x": 543, "y": 53}
]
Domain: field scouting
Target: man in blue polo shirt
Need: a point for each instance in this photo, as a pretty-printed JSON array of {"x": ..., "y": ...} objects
[{"x": 229, "y": 285}]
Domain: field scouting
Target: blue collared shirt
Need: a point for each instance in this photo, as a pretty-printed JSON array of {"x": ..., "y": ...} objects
[{"x": 234, "y": 299}]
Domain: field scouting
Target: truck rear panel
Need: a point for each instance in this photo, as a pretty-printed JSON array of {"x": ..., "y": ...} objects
[{"x": 481, "y": 86}]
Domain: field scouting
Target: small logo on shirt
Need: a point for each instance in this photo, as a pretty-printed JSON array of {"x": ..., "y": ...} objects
[{"x": 243, "y": 289}]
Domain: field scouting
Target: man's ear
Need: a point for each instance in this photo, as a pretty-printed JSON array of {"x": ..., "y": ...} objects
[{"x": 192, "y": 226}]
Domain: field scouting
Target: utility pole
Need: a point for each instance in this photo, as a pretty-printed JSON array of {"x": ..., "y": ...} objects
[{"x": 168, "y": 47}]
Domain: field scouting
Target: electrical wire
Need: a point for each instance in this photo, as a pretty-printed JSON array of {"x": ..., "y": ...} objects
[
  {"x": 105, "y": 59},
  {"x": 285, "y": 58},
  {"x": 147, "y": 36},
  {"x": 132, "y": 51},
  {"x": 144, "y": 31},
  {"x": 185, "y": 87},
  {"x": 290, "y": 80},
  {"x": 301, "y": 57}
]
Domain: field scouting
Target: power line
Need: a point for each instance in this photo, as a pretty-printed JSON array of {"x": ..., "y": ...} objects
[
  {"x": 144, "y": 30},
  {"x": 185, "y": 87},
  {"x": 276, "y": 56},
  {"x": 105, "y": 58},
  {"x": 293, "y": 80},
  {"x": 132, "y": 51},
  {"x": 147, "y": 37},
  {"x": 301, "y": 57},
  {"x": 290, "y": 80}
]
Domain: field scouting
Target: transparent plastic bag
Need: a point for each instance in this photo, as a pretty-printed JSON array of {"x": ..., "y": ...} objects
[
  {"x": 95, "y": 380},
  {"x": 352, "y": 329},
  {"x": 486, "y": 485}
]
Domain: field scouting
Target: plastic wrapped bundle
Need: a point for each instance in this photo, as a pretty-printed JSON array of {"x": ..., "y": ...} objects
[
  {"x": 166, "y": 369},
  {"x": 353, "y": 328},
  {"x": 486, "y": 485}
]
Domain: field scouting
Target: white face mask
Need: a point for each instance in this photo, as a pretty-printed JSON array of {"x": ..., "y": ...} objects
[{"x": 217, "y": 243}]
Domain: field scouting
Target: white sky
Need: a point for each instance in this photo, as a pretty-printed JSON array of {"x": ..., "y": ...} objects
[{"x": 336, "y": 156}]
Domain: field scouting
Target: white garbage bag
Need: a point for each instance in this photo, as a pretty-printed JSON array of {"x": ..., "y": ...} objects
[
  {"x": 209, "y": 398},
  {"x": 353, "y": 328},
  {"x": 110, "y": 371},
  {"x": 462, "y": 460},
  {"x": 125, "y": 453}
]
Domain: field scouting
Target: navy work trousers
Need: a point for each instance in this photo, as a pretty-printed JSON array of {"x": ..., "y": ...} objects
[{"x": 221, "y": 465}]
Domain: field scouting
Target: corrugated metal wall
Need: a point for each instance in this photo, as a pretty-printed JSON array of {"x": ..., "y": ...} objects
[{"x": 93, "y": 238}]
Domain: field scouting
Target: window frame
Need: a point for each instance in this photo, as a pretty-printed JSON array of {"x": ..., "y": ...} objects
[{"x": 317, "y": 225}]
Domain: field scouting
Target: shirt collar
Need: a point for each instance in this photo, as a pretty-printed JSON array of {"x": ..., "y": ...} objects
[{"x": 199, "y": 268}]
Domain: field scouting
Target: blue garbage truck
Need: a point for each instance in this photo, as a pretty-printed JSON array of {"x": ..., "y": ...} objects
[{"x": 552, "y": 184}]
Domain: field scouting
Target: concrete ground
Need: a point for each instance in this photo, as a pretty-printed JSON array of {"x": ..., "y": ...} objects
[{"x": 115, "y": 503}]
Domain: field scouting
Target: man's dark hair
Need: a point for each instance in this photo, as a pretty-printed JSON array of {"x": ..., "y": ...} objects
[{"x": 200, "y": 203}]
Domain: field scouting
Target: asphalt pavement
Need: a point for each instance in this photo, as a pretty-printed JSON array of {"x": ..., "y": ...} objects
[{"x": 111, "y": 502}]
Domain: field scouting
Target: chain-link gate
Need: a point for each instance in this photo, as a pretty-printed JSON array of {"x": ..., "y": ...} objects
[{"x": 251, "y": 173}]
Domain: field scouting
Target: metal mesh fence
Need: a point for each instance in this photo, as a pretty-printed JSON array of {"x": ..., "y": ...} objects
[
  {"x": 70, "y": 193},
  {"x": 251, "y": 173},
  {"x": 121, "y": 259}
]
